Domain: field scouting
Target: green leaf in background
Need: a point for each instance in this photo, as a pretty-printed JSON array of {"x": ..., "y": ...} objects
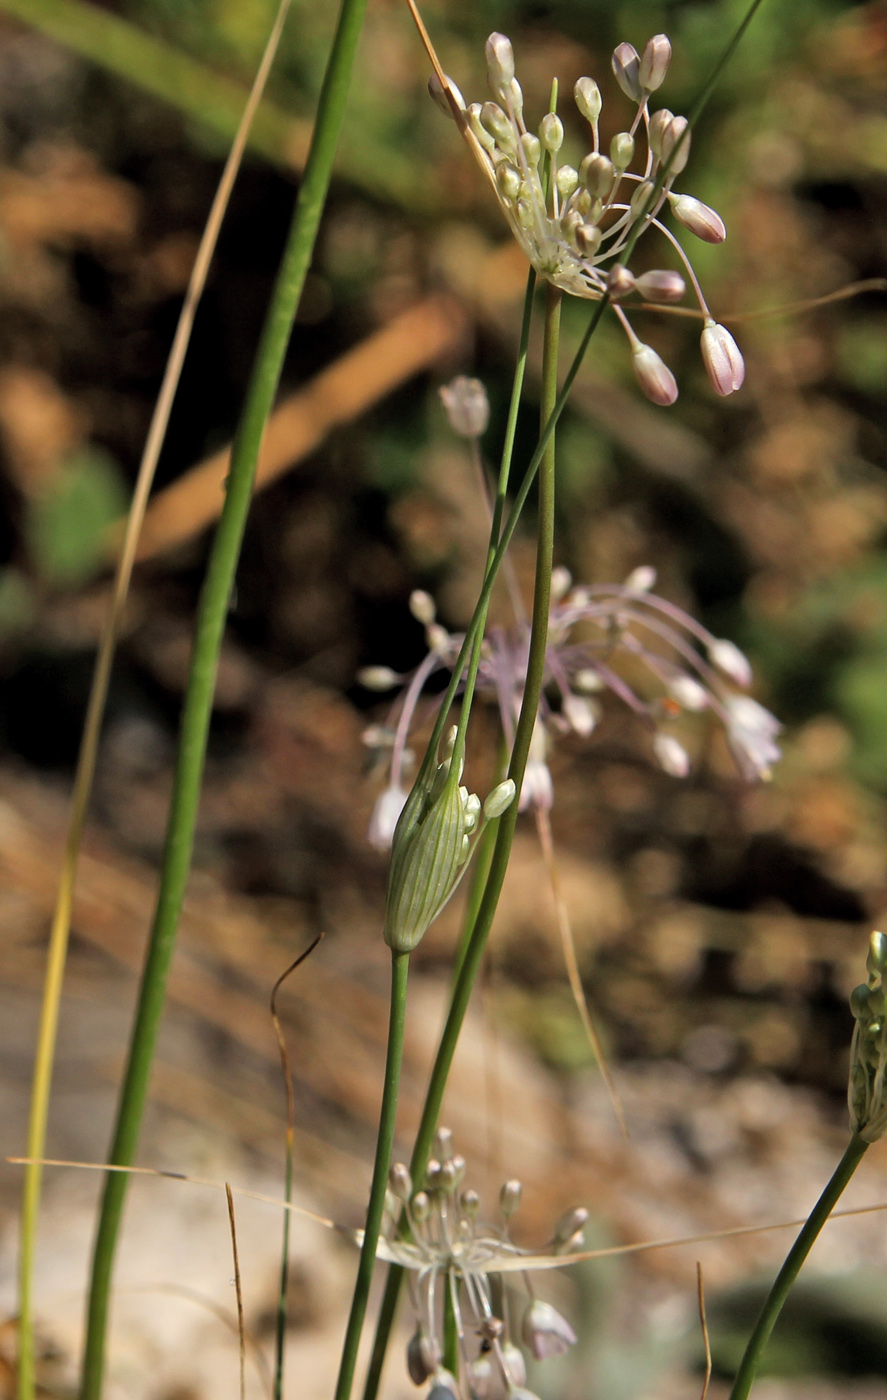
[{"x": 67, "y": 523}]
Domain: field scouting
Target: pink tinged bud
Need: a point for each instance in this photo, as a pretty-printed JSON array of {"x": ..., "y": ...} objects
[
  {"x": 676, "y": 145},
  {"x": 654, "y": 62},
  {"x": 654, "y": 375},
  {"x": 436, "y": 91},
  {"x": 466, "y": 406},
  {"x": 672, "y": 756},
  {"x": 513, "y": 1361},
  {"x": 626, "y": 68},
  {"x": 722, "y": 358},
  {"x": 659, "y": 124},
  {"x": 500, "y": 61},
  {"x": 545, "y": 1331},
  {"x": 727, "y": 657},
  {"x": 386, "y": 811},
  {"x": 698, "y": 218},
  {"x": 661, "y": 286},
  {"x": 620, "y": 282}
]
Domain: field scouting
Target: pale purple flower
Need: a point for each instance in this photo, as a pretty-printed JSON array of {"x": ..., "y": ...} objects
[
  {"x": 722, "y": 359},
  {"x": 751, "y": 734},
  {"x": 545, "y": 1331}
]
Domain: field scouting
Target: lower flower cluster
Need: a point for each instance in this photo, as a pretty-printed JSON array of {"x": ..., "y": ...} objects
[{"x": 455, "y": 1261}]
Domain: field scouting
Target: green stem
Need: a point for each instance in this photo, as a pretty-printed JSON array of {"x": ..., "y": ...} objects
[
  {"x": 820, "y": 1213},
  {"x": 400, "y": 963},
  {"x": 552, "y": 405},
  {"x": 212, "y": 612},
  {"x": 450, "y": 1330}
]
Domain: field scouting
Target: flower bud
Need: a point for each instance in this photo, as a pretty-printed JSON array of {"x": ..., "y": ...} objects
[
  {"x": 386, "y": 811},
  {"x": 514, "y": 97},
  {"x": 427, "y": 853},
  {"x": 466, "y": 406},
  {"x": 698, "y": 218},
  {"x": 378, "y": 678},
  {"x": 569, "y": 1225},
  {"x": 509, "y": 1197},
  {"x": 588, "y": 239},
  {"x": 654, "y": 62},
  {"x": 641, "y": 579},
  {"x": 676, "y": 145},
  {"x": 661, "y": 285},
  {"x": 588, "y": 99},
  {"x": 551, "y": 132},
  {"x": 672, "y": 756},
  {"x": 626, "y": 68},
  {"x": 561, "y": 579},
  {"x": 620, "y": 282},
  {"x": 513, "y": 1361},
  {"x": 479, "y": 130},
  {"x": 423, "y": 1356},
  {"x": 400, "y": 1181},
  {"x": 722, "y": 358},
  {"x": 659, "y": 124},
  {"x": 532, "y": 148},
  {"x": 545, "y": 1331},
  {"x": 688, "y": 693},
  {"x": 494, "y": 120},
  {"x": 653, "y": 375},
  {"x": 622, "y": 150},
  {"x": 421, "y": 603},
  {"x": 597, "y": 174},
  {"x": 567, "y": 179},
  {"x": 642, "y": 201},
  {"x": 500, "y": 61},
  {"x": 445, "y": 1387},
  {"x": 470, "y": 1203},
  {"x": 481, "y": 1377},
  {"x": 508, "y": 181},
  {"x": 499, "y": 800},
  {"x": 727, "y": 657},
  {"x": 437, "y": 92},
  {"x": 580, "y": 714}
]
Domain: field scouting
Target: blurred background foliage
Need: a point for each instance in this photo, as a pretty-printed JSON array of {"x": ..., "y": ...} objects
[{"x": 719, "y": 927}]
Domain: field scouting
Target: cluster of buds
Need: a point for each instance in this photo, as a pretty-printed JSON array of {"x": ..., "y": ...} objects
[
  {"x": 868, "y": 1055},
  {"x": 432, "y": 842},
  {"x": 687, "y": 670},
  {"x": 453, "y": 1254},
  {"x": 576, "y": 224}
]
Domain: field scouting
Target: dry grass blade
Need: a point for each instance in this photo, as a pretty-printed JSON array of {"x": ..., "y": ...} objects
[
  {"x": 543, "y": 826},
  {"x": 700, "y": 1294},
  {"x": 86, "y": 762},
  {"x": 241, "y": 1331},
  {"x": 360, "y": 378}
]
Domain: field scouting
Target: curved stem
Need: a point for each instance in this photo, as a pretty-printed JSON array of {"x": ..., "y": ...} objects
[
  {"x": 212, "y": 613},
  {"x": 400, "y": 963},
  {"x": 748, "y": 1366}
]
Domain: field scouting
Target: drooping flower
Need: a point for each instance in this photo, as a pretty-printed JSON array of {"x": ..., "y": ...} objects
[{"x": 576, "y": 225}]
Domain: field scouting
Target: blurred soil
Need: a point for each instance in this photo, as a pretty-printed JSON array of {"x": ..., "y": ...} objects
[{"x": 719, "y": 928}]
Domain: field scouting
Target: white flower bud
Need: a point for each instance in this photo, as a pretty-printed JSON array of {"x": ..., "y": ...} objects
[
  {"x": 561, "y": 579},
  {"x": 662, "y": 286},
  {"x": 378, "y": 678},
  {"x": 626, "y": 67},
  {"x": 689, "y": 693},
  {"x": 545, "y": 1331},
  {"x": 509, "y": 1197},
  {"x": 480, "y": 132},
  {"x": 532, "y": 148},
  {"x": 620, "y": 282},
  {"x": 499, "y": 800},
  {"x": 622, "y": 150},
  {"x": 727, "y": 657},
  {"x": 588, "y": 99},
  {"x": 698, "y": 218},
  {"x": 400, "y": 1182},
  {"x": 436, "y": 91},
  {"x": 470, "y": 1202},
  {"x": 653, "y": 375},
  {"x": 386, "y": 810},
  {"x": 722, "y": 359},
  {"x": 422, "y": 607},
  {"x": 659, "y": 124},
  {"x": 421, "y": 1206},
  {"x": 641, "y": 201},
  {"x": 672, "y": 756},
  {"x": 654, "y": 62},
  {"x": 500, "y": 61},
  {"x": 588, "y": 681},
  {"x": 466, "y": 405},
  {"x": 513, "y": 1361},
  {"x": 551, "y": 132},
  {"x": 580, "y": 713},
  {"x": 445, "y": 1387},
  {"x": 508, "y": 181},
  {"x": 481, "y": 1377},
  {"x": 641, "y": 579},
  {"x": 597, "y": 174},
  {"x": 569, "y": 1225},
  {"x": 495, "y": 121},
  {"x": 514, "y": 97}
]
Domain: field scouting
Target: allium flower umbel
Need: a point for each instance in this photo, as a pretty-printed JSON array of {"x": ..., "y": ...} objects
[
  {"x": 598, "y": 637},
  {"x": 577, "y": 235},
  {"x": 451, "y": 1251}
]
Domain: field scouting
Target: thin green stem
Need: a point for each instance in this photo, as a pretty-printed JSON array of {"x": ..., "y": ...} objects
[
  {"x": 748, "y": 1366},
  {"x": 552, "y": 406},
  {"x": 450, "y": 1330},
  {"x": 400, "y": 963},
  {"x": 212, "y": 612}
]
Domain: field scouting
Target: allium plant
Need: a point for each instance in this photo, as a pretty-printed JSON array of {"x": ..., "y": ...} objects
[{"x": 578, "y": 227}]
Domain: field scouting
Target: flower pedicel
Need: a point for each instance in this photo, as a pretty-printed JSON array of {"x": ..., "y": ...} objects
[{"x": 576, "y": 235}]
